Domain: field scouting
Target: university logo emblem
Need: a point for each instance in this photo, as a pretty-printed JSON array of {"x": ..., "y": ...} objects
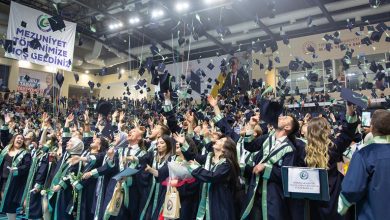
[
  {"x": 43, "y": 23},
  {"x": 304, "y": 175}
]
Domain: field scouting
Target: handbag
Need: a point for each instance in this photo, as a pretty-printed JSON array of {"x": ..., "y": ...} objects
[
  {"x": 172, "y": 204},
  {"x": 114, "y": 206}
]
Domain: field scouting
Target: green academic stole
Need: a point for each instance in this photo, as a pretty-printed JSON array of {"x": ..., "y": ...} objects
[
  {"x": 34, "y": 166},
  {"x": 129, "y": 180},
  {"x": 269, "y": 158},
  {"x": 204, "y": 205},
  {"x": 15, "y": 162}
]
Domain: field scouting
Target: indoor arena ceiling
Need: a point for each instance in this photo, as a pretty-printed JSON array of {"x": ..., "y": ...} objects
[{"x": 112, "y": 32}]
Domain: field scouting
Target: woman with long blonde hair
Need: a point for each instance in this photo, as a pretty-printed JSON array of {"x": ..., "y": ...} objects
[{"x": 324, "y": 151}]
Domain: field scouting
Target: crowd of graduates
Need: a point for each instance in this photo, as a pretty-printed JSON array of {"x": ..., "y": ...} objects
[{"x": 60, "y": 162}]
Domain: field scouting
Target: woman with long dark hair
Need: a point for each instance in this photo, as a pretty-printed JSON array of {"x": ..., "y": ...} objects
[
  {"x": 324, "y": 151},
  {"x": 15, "y": 162},
  {"x": 153, "y": 161},
  {"x": 218, "y": 171}
]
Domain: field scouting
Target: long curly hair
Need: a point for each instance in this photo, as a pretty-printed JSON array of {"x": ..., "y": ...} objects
[{"x": 318, "y": 143}]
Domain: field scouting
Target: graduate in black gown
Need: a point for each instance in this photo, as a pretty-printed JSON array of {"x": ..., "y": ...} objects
[
  {"x": 323, "y": 151},
  {"x": 15, "y": 161},
  {"x": 218, "y": 172},
  {"x": 156, "y": 160},
  {"x": 63, "y": 197}
]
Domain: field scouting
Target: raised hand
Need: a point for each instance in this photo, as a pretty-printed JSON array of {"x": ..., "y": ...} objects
[
  {"x": 212, "y": 101},
  {"x": 121, "y": 116},
  {"x": 179, "y": 138},
  {"x": 70, "y": 118},
  {"x": 86, "y": 116}
]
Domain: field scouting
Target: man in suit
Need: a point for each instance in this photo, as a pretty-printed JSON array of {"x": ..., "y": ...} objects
[
  {"x": 51, "y": 91},
  {"x": 237, "y": 80}
]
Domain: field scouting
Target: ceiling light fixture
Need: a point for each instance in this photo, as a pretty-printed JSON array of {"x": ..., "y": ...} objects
[
  {"x": 156, "y": 13},
  {"x": 182, "y": 6},
  {"x": 134, "y": 20},
  {"x": 211, "y": 1}
]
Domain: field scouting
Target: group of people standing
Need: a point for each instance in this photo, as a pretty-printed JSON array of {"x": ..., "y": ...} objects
[{"x": 67, "y": 173}]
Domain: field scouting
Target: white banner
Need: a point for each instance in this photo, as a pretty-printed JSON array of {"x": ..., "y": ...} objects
[
  {"x": 303, "y": 180},
  {"x": 26, "y": 24}
]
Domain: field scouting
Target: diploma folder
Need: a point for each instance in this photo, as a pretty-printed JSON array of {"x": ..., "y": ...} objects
[
  {"x": 323, "y": 195},
  {"x": 125, "y": 173}
]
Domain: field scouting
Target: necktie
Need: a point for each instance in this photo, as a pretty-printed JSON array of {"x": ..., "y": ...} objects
[{"x": 234, "y": 80}]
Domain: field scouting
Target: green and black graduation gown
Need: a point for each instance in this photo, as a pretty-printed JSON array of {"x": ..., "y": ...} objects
[
  {"x": 36, "y": 179},
  {"x": 265, "y": 192},
  {"x": 16, "y": 181},
  {"x": 217, "y": 188}
]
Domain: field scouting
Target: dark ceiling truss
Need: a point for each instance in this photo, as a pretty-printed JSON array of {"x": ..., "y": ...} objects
[{"x": 325, "y": 11}]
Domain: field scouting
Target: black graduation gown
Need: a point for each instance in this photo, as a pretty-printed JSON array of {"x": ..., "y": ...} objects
[
  {"x": 88, "y": 190},
  {"x": 63, "y": 201},
  {"x": 189, "y": 194},
  {"x": 16, "y": 182},
  {"x": 156, "y": 199},
  {"x": 34, "y": 209},
  {"x": 221, "y": 188},
  {"x": 328, "y": 210},
  {"x": 278, "y": 206}
]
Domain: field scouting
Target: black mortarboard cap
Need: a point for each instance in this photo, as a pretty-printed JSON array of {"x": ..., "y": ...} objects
[
  {"x": 370, "y": 28},
  {"x": 141, "y": 82},
  {"x": 154, "y": 49},
  {"x": 147, "y": 89},
  {"x": 56, "y": 23},
  {"x": 195, "y": 82},
  {"x": 387, "y": 39},
  {"x": 285, "y": 39},
  {"x": 293, "y": 65},
  {"x": 98, "y": 85},
  {"x": 284, "y": 74},
  {"x": 181, "y": 40},
  {"x": 366, "y": 41},
  {"x": 25, "y": 50},
  {"x": 141, "y": 91},
  {"x": 306, "y": 65},
  {"x": 201, "y": 72},
  {"x": 274, "y": 46},
  {"x": 373, "y": 67},
  {"x": 137, "y": 87},
  {"x": 277, "y": 59},
  {"x": 91, "y": 85},
  {"x": 108, "y": 87},
  {"x": 376, "y": 36},
  {"x": 354, "y": 98},
  {"x": 312, "y": 76},
  {"x": 60, "y": 79},
  {"x": 165, "y": 81},
  {"x": 257, "y": 61},
  {"x": 76, "y": 77},
  {"x": 210, "y": 66},
  {"x": 103, "y": 108},
  {"x": 327, "y": 64},
  {"x": 343, "y": 47},
  {"x": 119, "y": 76},
  {"x": 270, "y": 111},
  {"x": 155, "y": 78},
  {"x": 328, "y": 46},
  {"x": 27, "y": 77},
  {"x": 35, "y": 44},
  {"x": 209, "y": 86},
  {"x": 310, "y": 48},
  {"x": 270, "y": 65},
  {"x": 379, "y": 76},
  {"x": 125, "y": 84},
  {"x": 141, "y": 71},
  {"x": 23, "y": 24},
  {"x": 209, "y": 80},
  {"x": 381, "y": 27},
  {"x": 328, "y": 37}
]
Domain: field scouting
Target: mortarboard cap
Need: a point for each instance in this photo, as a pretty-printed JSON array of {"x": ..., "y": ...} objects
[
  {"x": 27, "y": 77},
  {"x": 387, "y": 39},
  {"x": 270, "y": 65},
  {"x": 154, "y": 49},
  {"x": 60, "y": 78},
  {"x": 373, "y": 67},
  {"x": 328, "y": 46},
  {"x": 141, "y": 91},
  {"x": 370, "y": 28},
  {"x": 354, "y": 98},
  {"x": 128, "y": 93},
  {"x": 56, "y": 23},
  {"x": 328, "y": 37},
  {"x": 141, "y": 71},
  {"x": 108, "y": 87},
  {"x": 284, "y": 74},
  {"x": 366, "y": 41},
  {"x": 210, "y": 66},
  {"x": 376, "y": 36},
  {"x": 155, "y": 78},
  {"x": 76, "y": 77},
  {"x": 293, "y": 65},
  {"x": 165, "y": 81},
  {"x": 277, "y": 59},
  {"x": 274, "y": 46},
  {"x": 147, "y": 89},
  {"x": 103, "y": 108},
  {"x": 261, "y": 66},
  {"x": 141, "y": 82},
  {"x": 23, "y": 24},
  {"x": 125, "y": 84},
  {"x": 312, "y": 77},
  {"x": 285, "y": 39},
  {"x": 195, "y": 82},
  {"x": 209, "y": 86},
  {"x": 306, "y": 65},
  {"x": 35, "y": 44},
  {"x": 343, "y": 47},
  {"x": 91, "y": 85},
  {"x": 98, "y": 85},
  {"x": 381, "y": 27},
  {"x": 119, "y": 75},
  {"x": 270, "y": 111},
  {"x": 209, "y": 80}
]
